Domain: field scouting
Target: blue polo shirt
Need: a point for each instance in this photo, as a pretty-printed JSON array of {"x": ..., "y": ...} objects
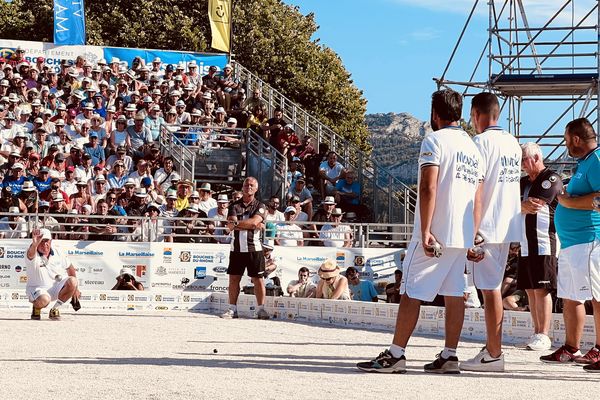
[
  {"x": 364, "y": 291},
  {"x": 580, "y": 226}
]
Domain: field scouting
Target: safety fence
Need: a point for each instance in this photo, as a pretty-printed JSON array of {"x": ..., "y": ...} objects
[{"x": 190, "y": 228}]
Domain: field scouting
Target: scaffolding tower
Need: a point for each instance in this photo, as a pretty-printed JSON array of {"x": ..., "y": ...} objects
[{"x": 546, "y": 70}]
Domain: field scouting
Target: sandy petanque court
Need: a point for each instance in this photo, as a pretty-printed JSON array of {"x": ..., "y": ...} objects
[{"x": 170, "y": 355}]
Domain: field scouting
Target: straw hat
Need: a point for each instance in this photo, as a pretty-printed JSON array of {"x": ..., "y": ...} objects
[{"x": 328, "y": 269}]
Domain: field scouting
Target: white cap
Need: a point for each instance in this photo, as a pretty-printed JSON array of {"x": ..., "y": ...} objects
[
  {"x": 46, "y": 234},
  {"x": 290, "y": 209}
]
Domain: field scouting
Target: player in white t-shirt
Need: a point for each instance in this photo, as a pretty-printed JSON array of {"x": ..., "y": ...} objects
[
  {"x": 500, "y": 222},
  {"x": 449, "y": 175},
  {"x": 50, "y": 276}
]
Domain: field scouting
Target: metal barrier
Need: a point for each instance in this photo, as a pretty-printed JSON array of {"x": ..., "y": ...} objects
[
  {"x": 144, "y": 229},
  {"x": 389, "y": 199},
  {"x": 212, "y": 160},
  {"x": 267, "y": 164}
]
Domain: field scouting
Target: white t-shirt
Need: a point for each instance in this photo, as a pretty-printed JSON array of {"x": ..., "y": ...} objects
[
  {"x": 331, "y": 172},
  {"x": 17, "y": 231},
  {"x": 289, "y": 234},
  {"x": 277, "y": 216},
  {"x": 334, "y": 236},
  {"x": 460, "y": 171},
  {"x": 207, "y": 205},
  {"x": 42, "y": 272},
  {"x": 501, "y": 195}
]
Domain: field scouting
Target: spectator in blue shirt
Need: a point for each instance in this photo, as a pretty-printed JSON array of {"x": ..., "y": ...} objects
[
  {"x": 153, "y": 121},
  {"x": 94, "y": 150},
  {"x": 360, "y": 290},
  {"x": 42, "y": 180},
  {"x": 16, "y": 179},
  {"x": 347, "y": 190}
]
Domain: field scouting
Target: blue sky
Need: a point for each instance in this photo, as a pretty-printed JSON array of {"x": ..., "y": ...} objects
[{"x": 394, "y": 48}]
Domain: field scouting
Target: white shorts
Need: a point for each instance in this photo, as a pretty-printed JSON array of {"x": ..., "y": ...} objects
[
  {"x": 579, "y": 272},
  {"x": 34, "y": 292},
  {"x": 488, "y": 273},
  {"x": 425, "y": 277}
]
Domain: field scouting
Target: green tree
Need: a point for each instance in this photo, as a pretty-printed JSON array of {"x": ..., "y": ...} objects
[{"x": 272, "y": 39}]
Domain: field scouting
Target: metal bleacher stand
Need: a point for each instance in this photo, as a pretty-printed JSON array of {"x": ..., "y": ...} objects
[
  {"x": 226, "y": 160},
  {"x": 556, "y": 64},
  {"x": 389, "y": 199}
]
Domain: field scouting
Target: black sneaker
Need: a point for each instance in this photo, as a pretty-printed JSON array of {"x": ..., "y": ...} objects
[
  {"x": 384, "y": 363},
  {"x": 443, "y": 365}
]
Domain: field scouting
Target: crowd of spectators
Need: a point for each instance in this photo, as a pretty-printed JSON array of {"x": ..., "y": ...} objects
[{"x": 84, "y": 141}]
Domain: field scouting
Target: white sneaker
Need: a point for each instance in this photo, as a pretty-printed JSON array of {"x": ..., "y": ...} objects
[
  {"x": 229, "y": 314},
  {"x": 539, "y": 342},
  {"x": 483, "y": 362}
]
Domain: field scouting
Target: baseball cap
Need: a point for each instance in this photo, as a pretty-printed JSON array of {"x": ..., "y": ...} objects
[{"x": 290, "y": 209}]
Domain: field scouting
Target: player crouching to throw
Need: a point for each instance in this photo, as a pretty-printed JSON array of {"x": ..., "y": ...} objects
[{"x": 46, "y": 280}]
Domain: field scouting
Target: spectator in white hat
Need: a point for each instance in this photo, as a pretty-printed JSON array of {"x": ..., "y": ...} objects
[
  {"x": 336, "y": 234},
  {"x": 218, "y": 228},
  {"x": 206, "y": 201},
  {"x": 228, "y": 87},
  {"x": 153, "y": 121},
  {"x": 289, "y": 234}
]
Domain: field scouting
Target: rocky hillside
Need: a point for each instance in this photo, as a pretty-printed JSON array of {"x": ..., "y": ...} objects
[{"x": 396, "y": 139}]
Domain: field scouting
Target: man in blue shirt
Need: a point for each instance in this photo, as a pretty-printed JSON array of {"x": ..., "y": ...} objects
[
  {"x": 94, "y": 150},
  {"x": 16, "y": 179},
  {"x": 578, "y": 228},
  {"x": 42, "y": 180},
  {"x": 348, "y": 190},
  {"x": 360, "y": 290}
]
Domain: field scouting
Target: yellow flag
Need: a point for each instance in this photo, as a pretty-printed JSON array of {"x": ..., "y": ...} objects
[{"x": 219, "y": 13}]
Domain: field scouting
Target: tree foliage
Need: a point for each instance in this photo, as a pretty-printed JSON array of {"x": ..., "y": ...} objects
[{"x": 272, "y": 39}]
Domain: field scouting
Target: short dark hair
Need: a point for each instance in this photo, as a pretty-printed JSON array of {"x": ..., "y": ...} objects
[
  {"x": 277, "y": 109},
  {"x": 581, "y": 128},
  {"x": 303, "y": 269},
  {"x": 486, "y": 103},
  {"x": 350, "y": 270},
  {"x": 447, "y": 104}
]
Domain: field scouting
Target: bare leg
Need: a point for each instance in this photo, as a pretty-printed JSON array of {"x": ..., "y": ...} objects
[
  {"x": 68, "y": 289},
  {"x": 493, "y": 321},
  {"x": 596, "y": 305},
  {"x": 533, "y": 310},
  {"x": 408, "y": 315},
  {"x": 455, "y": 315},
  {"x": 259, "y": 290},
  {"x": 574, "y": 317},
  {"x": 543, "y": 304},
  {"x": 41, "y": 301},
  {"x": 234, "y": 288}
]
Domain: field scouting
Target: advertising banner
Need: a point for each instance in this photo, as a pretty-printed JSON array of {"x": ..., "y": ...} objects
[
  {"x": 183, "y": 267},
  {"x": 219, "y": 14},
  {"x": 69, "y": 22},
  {"x": 53, "y": 54}
]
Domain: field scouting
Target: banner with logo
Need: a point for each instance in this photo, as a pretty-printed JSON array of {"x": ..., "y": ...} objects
[
  {"x": 185, "y": 267},
  {"x": 69, "y": 22},
  {"x": 54, "y": 54},
  {"x": 219, "y": 14}
]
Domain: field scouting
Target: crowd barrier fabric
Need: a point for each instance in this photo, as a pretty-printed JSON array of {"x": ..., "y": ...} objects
[{"x": 53, "y": 54}]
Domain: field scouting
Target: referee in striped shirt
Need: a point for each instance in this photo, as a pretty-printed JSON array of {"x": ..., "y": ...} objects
[
  {"x": 245, "y": 219},
  {"x": 538, "y": 263}
]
